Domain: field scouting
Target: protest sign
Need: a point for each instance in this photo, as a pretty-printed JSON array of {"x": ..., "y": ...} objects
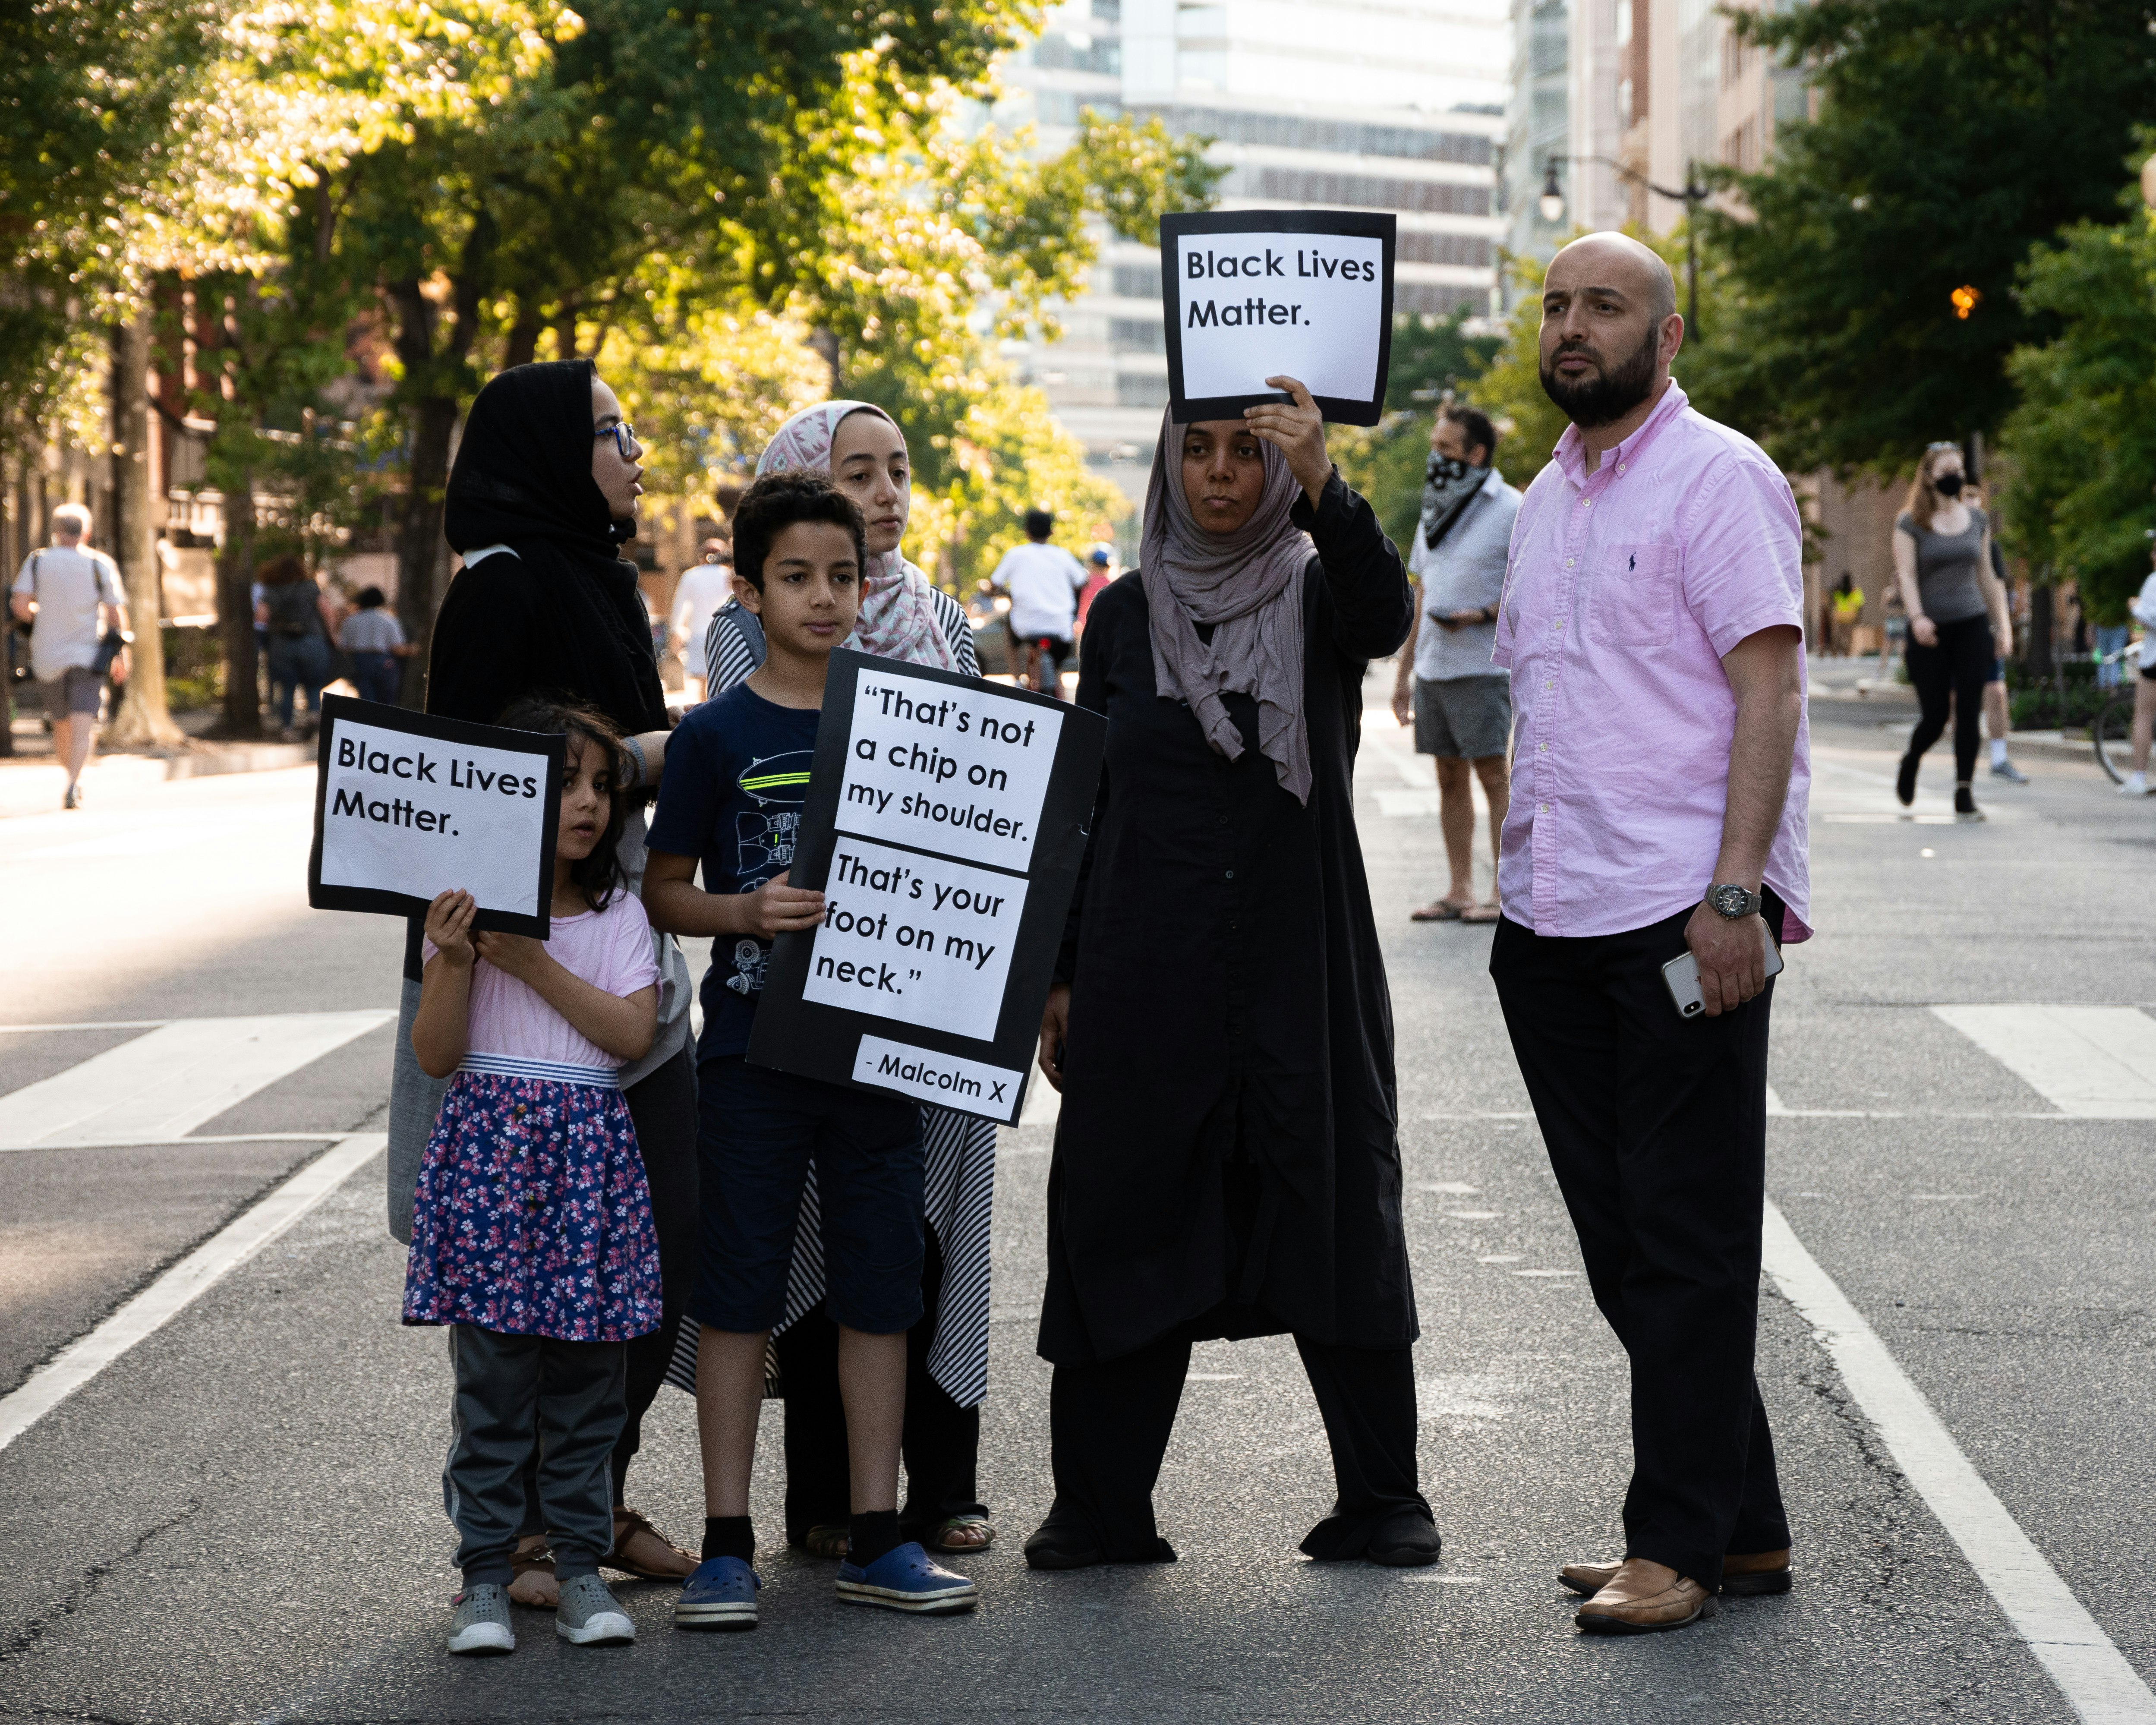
[
  {"x": 407, "y": 806},
  {"x": 1256, "y": 293},
  {"x": 944, "y": 824}
]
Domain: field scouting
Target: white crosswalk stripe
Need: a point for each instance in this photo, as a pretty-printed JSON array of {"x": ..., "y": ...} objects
[
  {"x": 161, "y": 1086},
  {"x": 2093, "y": 1062}
]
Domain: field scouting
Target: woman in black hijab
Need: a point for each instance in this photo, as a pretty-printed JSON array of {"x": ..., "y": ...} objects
[
  {"x": 1227, "y": 1161},
  {"x": 541, "y": 498}
]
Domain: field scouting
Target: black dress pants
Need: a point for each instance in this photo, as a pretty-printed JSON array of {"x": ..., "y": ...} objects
[
  {"x": 1109, "y": 1426},
  {"x": 1957, "y": 668},
  {"x": 1657, "y": 1127},
  {"x": 662, "y": 1105},
  {"x": 939, "y": 1441}
]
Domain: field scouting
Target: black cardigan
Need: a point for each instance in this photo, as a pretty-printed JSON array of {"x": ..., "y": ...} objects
[{"x": 1227, "y": 1155}]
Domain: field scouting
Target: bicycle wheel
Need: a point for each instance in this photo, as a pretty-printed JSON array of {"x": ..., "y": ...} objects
[{"x": 2110, "y": 732}]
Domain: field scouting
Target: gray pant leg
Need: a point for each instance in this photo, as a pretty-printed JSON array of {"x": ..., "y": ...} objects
[
  {"x": 414, "y": 1101},
  {"x": 498, "y": 1390},
  {"x": 582, "y": 1389}
]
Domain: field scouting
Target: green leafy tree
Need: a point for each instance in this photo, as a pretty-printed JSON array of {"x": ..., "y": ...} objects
[
  {"x": 1952, "y": 137},
  {"x": 2080, "y": 497},
  {"x": 1386, "y": 462}
]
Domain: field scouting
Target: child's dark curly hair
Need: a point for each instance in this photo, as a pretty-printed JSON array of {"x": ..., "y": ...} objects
[
  {"x": 775, "y": 503},
  {"x": 600, "y": 875}
]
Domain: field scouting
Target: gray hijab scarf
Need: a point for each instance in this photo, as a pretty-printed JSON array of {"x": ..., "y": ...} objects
[{"x": 1249, "y": 585}]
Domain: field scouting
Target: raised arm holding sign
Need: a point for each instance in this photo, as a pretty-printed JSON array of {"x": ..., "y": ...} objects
[{"x": 1251, "y": 295}]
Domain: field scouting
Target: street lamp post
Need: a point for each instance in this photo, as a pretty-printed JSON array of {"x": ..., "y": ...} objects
[{"x": 1551, "y": 205}]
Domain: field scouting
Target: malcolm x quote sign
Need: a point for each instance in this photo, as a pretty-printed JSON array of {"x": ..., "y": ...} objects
[
  {"x": 944, "y": 825},
  {"x": 1255, "y": 294}
]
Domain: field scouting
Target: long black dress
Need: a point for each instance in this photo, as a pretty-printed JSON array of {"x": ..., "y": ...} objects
[{"x": 1227, "y": 1162}]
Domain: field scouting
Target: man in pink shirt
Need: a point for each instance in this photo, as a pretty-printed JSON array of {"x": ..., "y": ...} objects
[{"x": 1652, "y": 626}]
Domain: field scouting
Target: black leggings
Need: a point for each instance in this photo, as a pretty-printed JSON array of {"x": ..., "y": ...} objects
[
  {"x": 940, "y": 1440},
  {"x": 1957, "y": 668}
]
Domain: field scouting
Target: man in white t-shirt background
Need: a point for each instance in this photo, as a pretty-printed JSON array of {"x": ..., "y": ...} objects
[
  {"x": 699, "y": 593},
  {"x": 2143, "y": 607},
  {"x": 72, "y": 597},
  {"x": 1043, "y": 581}
]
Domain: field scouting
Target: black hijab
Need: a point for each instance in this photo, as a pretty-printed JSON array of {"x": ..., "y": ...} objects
[{"x": 562, "y": 617}]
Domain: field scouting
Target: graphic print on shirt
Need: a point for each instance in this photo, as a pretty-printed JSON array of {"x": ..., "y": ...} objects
[{"x": 763, "y": 844}]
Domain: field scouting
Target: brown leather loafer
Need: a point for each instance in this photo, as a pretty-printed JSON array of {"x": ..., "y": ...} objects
[
  {"x": 1750, "y": 1576},
  {"x": 1643, "y": 1598}
]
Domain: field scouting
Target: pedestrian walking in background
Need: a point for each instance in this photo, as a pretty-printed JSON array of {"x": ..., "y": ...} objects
[
  {"x": 1044, "y": 582},
  {"x": 1847, "y": 605},
  {"x": 373, "y": 640},
  {"x": 1458, "y": 701},
  {"x": 531, "y": 1230},
  {"x": 861, "y": 451},
  {"x": 697, "y": 597},
  {"x": 2144, "y": 689},
  {"x": 1653, "y": 630},
  {"x": 1100, "y": 571},
  {"x": 542, "y": 495},
  {"x": 731, "y": 806},
  {"x": 1997, "y": 715},
  {"x": 77, "y": 609},
  {"x": 1959, "y": 625},
  {"x": 1228, "y": 1163},
  {"x": 302, "y": 622}
]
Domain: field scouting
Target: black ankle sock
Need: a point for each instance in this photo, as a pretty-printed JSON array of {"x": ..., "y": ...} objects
[
  {"x": 729, "y": 1537},
  {"x": 874, "y": 1531}
]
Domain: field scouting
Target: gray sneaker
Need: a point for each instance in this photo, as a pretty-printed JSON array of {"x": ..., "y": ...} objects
[
  {"x": 590, "y": 1615},
  {"x": 481, "y": 1625},
  {"x": 2008, "y": 771}
]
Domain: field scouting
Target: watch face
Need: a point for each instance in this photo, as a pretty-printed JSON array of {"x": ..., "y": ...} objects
[{"x": 1732, "y": 901}]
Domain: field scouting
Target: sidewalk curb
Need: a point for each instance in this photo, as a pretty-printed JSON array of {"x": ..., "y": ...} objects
[{"x": 34, "y": 786}]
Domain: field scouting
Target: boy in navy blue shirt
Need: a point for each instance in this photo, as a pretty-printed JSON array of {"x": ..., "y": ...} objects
[{"x": 736, "y": 774}]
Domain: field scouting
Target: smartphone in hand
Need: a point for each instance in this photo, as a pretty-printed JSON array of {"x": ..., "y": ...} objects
[{"x": 1681, "y": 975}]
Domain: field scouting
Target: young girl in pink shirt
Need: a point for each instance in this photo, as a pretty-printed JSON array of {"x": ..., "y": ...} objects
[{"x": 531, "y": 1230}]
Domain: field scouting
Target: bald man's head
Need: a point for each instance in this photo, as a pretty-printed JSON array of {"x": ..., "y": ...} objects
[
  {"x": 1608, "y": 327},
  {"x": 1622, "y": 261}
]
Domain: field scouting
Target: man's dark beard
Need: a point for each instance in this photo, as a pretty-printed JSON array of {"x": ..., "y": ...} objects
[{"x": 1606, "y": 396}]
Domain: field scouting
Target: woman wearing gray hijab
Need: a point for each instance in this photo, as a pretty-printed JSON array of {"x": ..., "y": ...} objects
[{"x": 1227, "y": 1163}]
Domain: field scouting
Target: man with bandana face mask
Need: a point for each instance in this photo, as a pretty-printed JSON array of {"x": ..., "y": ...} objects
[{"x": 1459, "y": 703}]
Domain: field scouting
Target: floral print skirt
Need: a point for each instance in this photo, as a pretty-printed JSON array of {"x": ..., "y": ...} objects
[{"x": 532, "y": 1217}]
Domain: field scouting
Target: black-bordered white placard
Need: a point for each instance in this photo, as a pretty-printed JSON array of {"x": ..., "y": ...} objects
[
  {"x": 408, "y": 805},
  {"x": 944, "y": 824},
  {"x": 1253, "y": 293}
]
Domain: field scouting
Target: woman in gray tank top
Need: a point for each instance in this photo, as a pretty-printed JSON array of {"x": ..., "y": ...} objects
[{"x": 1958, "y": 619}]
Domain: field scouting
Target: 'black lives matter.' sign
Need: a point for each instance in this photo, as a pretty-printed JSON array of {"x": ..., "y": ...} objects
[
  {"x": 407, "y": 806},
  {"x": 1254, "y": 293},
  {"x": 944, "y": 824}
]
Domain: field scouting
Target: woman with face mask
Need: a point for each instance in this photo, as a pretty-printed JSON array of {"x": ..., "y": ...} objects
[
  {"x": 904, "y": 616},
  {"x": 1227, "y": 1163},
  {"x": 541, "y": 500},
  {"x": 1957, "y": 618}
]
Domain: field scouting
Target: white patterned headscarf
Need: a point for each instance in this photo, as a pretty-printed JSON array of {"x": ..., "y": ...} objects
[{"x": 898, "y": 607}]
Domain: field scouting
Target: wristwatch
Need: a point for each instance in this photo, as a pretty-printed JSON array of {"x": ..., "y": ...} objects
[{"x": 1733, "y": 901}]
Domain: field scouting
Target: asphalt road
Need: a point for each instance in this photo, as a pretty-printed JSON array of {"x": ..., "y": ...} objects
[{"x": 240, "y": 1518}]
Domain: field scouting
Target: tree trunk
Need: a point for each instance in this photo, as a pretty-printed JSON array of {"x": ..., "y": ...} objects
[
  {"x": 143, "y": 716},
  {"x": 419, "y": 537},
  {"x": 235, "y": 613}
]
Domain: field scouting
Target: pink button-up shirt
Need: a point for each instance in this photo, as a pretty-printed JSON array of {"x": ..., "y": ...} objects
[{"x": 1625, "y": 589}]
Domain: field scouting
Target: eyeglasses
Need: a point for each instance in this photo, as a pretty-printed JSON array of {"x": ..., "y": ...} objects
[
  {"x": 1937, "y": 448},
  {"x": 623, "y": 434}
]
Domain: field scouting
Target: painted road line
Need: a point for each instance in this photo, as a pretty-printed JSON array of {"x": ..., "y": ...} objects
[
  {"x": 192, "y": 1139},
  {"x": 2093, "y": 1062},
  {"x": 161, "y": 1086},
  {"x": 87, "y": 1025},
  {"x": 2090, "y": 1672},
  {"x": 171, "y": 1293}
]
